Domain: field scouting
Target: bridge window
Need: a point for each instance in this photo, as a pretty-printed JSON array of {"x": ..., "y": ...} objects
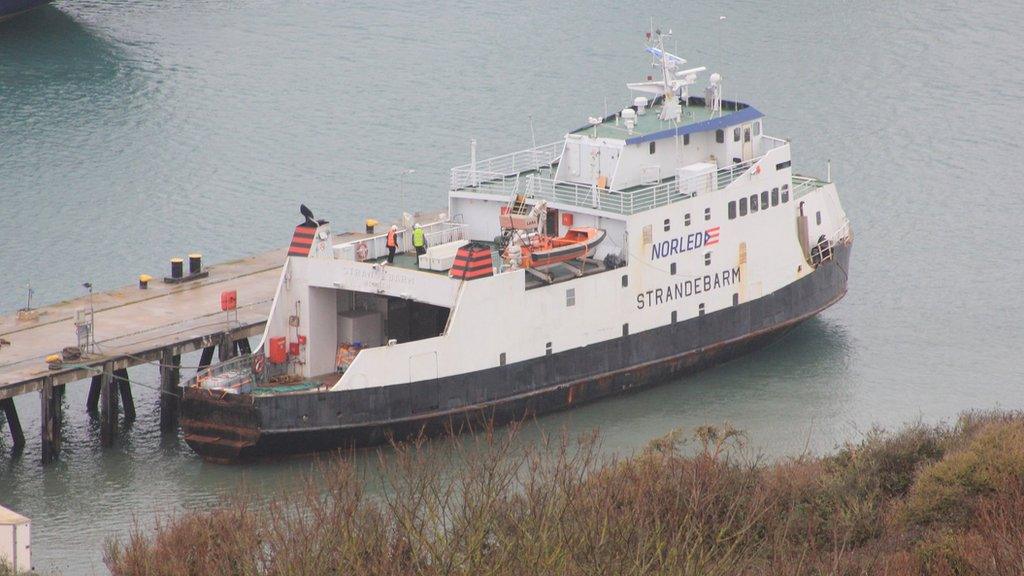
[
  {"x": 651, "y": 146},
  {"x": 743, "y": 206},
  {"x": 720, "y": 136},
  {"x": 707, "y": 213},
  {"x": 785, "y": 193},
  {"x": 764, "y": 199},
  {"x": 732, "y": 210},
  {"x": 753, "y": 203},
  {"x": 775, "y": 196},
  {"x": 736, "y": 134}
]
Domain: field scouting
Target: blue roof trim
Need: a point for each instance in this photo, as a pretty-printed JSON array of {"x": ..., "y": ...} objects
[{"x": 743, "y": 115}]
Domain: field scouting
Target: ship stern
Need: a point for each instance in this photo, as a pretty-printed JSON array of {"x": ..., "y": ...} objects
[{"x": 220, "y": 427}]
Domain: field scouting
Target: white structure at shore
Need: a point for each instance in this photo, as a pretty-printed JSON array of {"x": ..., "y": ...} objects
[{"x": 15, "y": 540}]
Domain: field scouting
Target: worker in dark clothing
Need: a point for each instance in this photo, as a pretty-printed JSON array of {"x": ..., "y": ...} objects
[
  {"x": 419, "y": 240},
  {"x": 392, "y": 243}
]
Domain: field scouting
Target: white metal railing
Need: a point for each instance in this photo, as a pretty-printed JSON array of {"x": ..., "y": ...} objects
[
  {"x": 822, "y": 249},
  {"x": 474, "y": 173},
  {"x": 771, "y": 143},
  {"x": 374, "y": 247},
  {"x": 444, "y": 232},
  {"x": 624, "y": 202},
  {"x": 804, "y": 184}
]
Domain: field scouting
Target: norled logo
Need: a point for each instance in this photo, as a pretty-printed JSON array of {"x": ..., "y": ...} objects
[{"x": 685, "y": 243}]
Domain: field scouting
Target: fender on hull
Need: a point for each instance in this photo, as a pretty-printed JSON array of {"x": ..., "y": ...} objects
[{"x": 230, "y": 427}]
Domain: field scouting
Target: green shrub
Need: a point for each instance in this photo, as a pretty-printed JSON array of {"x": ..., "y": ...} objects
[{"x": 991, "y": 460}]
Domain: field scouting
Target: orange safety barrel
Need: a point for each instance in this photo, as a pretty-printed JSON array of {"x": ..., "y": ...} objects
[
  {"x": 472, "y": 261},
  {"x": 302, "y": 240}
]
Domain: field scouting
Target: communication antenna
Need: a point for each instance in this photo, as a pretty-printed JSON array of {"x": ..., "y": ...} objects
[
  {"x": 674, "y": 82},
  {"x": 713, "y": 94}
]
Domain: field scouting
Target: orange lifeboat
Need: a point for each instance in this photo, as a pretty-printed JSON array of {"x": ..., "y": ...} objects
[{"x": 547, "y": 250}]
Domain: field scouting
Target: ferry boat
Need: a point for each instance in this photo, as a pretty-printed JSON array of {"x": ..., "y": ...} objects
[
  {"x": 710, "y": 246},
  {"x": 12, "y": 8}
]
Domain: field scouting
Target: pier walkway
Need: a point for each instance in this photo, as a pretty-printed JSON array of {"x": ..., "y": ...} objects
[{"x": 131, "y": 326}]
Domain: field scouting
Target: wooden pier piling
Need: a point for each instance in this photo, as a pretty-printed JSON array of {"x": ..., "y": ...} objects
[
  {"x": 50, "y": 420},
  {"x": 92, "y": 403},
  {"x": 170, "y": 392},
  {"x": 108, "y": 406},
  {"x": 125, "y": 388},
  {"x": 13, "y": 423}
]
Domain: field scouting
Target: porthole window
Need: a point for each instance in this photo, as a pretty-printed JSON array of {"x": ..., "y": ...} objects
[
  {"x": 743, "y": 206},
  {"x": 547, "y": 349},
  {"x": 625, "y": 280},
  {"x": 625, "y": 329},
  {"x": 732, "y": 210},
  {"x": 736, "y": 134},
  {"x": 785, "y": 193},
  {"x": 707, "y": 213},
  {"x": 673, "y": 316},
  {"x": 700, "y": 309},
  {"x": 651, "y": 146},
  {"x": 720, "y": 136},
  {"x": 686, "y": 219},
  {"x": 707, "y": 258},
  {"x": 817, "y": 217},
  {"x": 501, "y": 359},
  {"x": 764, "y": 199},
  {"x": 735, "y": 298},
  {"x": 672, "y": 268},
  {"x": 667, "y": 224},
  {"x": 570, "y": 297},
  {"x": 753, "y": 203},
  {"x": 775, "y": 196}
]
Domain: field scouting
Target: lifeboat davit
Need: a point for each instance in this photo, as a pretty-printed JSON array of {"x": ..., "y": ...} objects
[{"x": 547, "y": 250}]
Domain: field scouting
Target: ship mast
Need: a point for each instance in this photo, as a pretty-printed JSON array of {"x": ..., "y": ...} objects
[{"x": 674, "y": 83}]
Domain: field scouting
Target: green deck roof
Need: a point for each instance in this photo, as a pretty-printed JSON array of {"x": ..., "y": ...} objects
[{"x": 647, "y": 123}]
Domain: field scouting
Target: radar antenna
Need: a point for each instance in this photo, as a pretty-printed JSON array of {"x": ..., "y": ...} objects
[{"x": 674, "y": 83}]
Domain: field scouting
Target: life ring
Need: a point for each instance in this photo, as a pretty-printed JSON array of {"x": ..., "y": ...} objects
[
  {"x": 257, "y": 364},
  {"x": 362, "y": 251}
]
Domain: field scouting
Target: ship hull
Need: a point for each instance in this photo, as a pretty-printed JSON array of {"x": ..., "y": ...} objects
[
  {"x": 231, "y": 427},
  {"x": 12, "y": 8}
]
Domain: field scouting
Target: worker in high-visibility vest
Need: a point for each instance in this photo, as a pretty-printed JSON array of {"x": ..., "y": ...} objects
[
  {"x": 392, "y": 243},
  {"x": 419, "y": 240}
]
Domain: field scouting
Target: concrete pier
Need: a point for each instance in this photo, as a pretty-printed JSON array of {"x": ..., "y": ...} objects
[{"x": 132, "y": 326}]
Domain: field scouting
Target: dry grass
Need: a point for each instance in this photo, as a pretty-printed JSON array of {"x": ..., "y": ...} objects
[{"x": 927, "y": 500}]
